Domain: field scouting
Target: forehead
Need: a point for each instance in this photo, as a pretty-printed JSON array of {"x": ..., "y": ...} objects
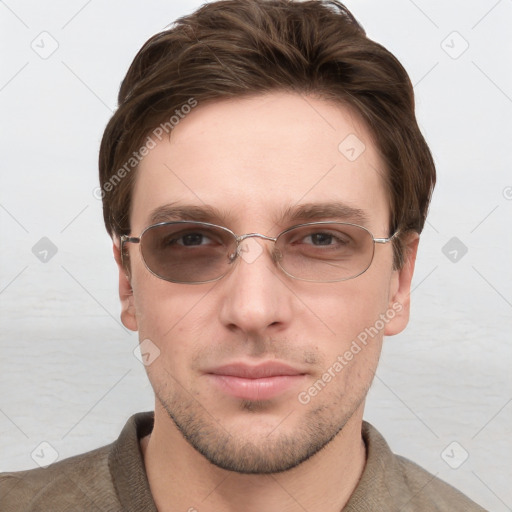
[{"x": 255, "y": 160}]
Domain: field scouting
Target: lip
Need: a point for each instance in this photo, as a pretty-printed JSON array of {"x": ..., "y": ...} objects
[
  {"x": 259, "y": 371},
  {"x": 255, "y": 382}
]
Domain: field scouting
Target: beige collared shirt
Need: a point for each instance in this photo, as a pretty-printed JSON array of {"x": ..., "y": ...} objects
[{"x": 113, "y": 479}]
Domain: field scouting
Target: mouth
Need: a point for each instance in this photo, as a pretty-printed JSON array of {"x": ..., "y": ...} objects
[{"x": 255, "y": 382}]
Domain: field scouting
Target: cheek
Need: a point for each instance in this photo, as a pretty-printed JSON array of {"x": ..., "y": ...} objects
[
  {"x": 349, "y": 308},
  {"x": 353, "y": 314},
  {"x": 172, "y": 316}
]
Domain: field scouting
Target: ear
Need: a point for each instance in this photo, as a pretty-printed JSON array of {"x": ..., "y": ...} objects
[
  {"x": 128, "y": 316},
  {"x": 400, "y": 288}
]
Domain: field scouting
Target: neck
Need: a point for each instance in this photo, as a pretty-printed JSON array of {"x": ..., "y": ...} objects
[{"x": 180, "y": 478}]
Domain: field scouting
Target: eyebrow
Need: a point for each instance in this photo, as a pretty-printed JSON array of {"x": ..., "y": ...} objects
[
  {"x": 172, "y": 211},
  {"x": 301, "y": 213},
  {"x": 329, "y": 210}
]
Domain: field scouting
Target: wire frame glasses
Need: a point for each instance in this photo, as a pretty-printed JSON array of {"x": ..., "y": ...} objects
[{"x": 199, "y": 252}]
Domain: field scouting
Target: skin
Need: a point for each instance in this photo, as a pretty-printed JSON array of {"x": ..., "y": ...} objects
[{"x": 251, "y": 158}]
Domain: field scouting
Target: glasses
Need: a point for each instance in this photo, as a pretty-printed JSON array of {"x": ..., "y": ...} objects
[{"x": 199, "y": 252}]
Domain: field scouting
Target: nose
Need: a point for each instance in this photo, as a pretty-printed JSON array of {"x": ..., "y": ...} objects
[{"x": 255, "y": 295}]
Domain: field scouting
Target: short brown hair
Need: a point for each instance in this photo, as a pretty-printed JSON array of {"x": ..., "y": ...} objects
[{"x": 234, "y": 48}]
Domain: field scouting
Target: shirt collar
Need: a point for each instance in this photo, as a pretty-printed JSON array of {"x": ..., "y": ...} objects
[{"x": 126, "y": 465}]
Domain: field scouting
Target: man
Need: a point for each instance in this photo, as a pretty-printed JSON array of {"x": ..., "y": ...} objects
[{"x": 264, "y": 182}]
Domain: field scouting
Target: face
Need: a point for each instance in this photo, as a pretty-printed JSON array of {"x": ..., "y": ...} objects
[{"x": 258, "y": 370}]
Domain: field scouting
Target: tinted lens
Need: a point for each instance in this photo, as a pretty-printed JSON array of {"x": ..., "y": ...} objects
[
  {"x": 325, "y": 252},
  {"x": 187, "y": 252}
]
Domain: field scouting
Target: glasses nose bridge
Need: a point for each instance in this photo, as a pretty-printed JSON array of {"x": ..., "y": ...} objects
[{"x": 241, "y": 238}]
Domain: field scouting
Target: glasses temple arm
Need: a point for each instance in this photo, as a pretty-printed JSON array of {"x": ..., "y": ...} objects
[{"x": 386, "y": 240}]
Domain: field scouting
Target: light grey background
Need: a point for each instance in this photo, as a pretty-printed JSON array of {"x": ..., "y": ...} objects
[{"x": 68, "y": 374}]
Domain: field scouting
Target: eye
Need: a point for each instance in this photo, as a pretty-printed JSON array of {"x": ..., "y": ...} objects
[
  {"x": 327, "y": 238},
  {"x": 191, "y": 239}
]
